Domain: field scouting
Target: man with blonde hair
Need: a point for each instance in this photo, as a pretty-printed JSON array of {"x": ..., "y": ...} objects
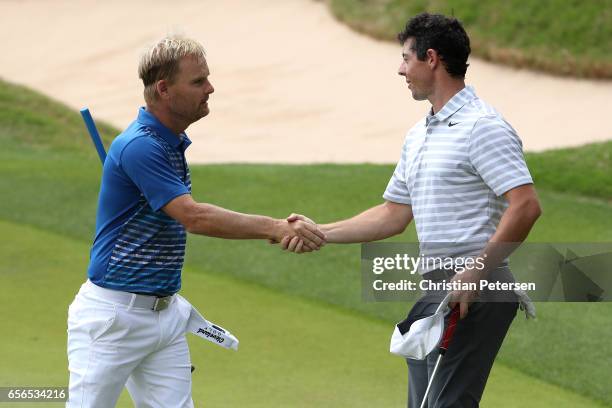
[{"x": 126, "y": 326}]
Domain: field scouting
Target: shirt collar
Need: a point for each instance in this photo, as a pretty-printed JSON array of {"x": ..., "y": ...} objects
[
  {"x": 148, "y": 119},
  {"x": 453, "y": 105}
]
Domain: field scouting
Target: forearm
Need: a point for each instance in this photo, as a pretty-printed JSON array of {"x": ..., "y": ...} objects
[
  {"x": 214, "y": 221},
  {"x": 513, "y": 229},
  {"x": 376, "y": 223}
]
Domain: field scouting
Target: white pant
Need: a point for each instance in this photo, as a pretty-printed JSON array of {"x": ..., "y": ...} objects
[{"x": 111, "y": 345}]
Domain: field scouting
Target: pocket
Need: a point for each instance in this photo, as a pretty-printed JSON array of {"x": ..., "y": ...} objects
[
  {"x": 104, "y": 325},
  {"x": 184, "y": 309},
  {"x": 93, "y": 320},
  {"x": 422, "y": 308}
]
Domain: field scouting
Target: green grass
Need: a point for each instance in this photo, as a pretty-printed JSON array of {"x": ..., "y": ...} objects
[
  {"x": 52, "y": 187},
  {"x": 558, "y": 36},
  {"x": 585, "y": 170},
  {"x": 285, "y": 358},
  {"x": 293, "y": 352},
  {"x": 32, "y": 121}
]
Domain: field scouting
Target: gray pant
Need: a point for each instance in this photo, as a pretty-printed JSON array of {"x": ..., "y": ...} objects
[{"x": 465, "y": 367}]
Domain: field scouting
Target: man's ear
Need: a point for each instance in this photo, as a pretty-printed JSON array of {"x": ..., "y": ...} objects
[
  {"x": 162, "y": 88},
  {"x": 432, "y": 58}
]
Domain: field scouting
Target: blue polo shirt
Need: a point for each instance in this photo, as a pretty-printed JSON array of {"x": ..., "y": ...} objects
[{"x": 137, "y": 247}]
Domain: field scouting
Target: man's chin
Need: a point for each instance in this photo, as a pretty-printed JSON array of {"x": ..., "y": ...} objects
[
  {"x": 202, "y": 113},
  {"x": 418, "y": 97}
]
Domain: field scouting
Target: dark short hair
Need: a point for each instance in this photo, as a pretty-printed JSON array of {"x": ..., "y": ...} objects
[{"x": 444, "y": 34}]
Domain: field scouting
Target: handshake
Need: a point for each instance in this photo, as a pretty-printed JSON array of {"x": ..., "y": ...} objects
[{"x": 299, "y": 234}]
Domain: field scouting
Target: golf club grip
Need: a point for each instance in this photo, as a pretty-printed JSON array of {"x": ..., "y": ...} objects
[
  {"x": 93, "y": 133},
  {"x": 450, "y": 329}
]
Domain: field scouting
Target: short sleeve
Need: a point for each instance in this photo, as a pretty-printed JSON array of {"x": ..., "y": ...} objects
[
  {"x": 397, "y": 189},
  {"x": 149, "y": 168},
  {"x": 496, "y": 152}
]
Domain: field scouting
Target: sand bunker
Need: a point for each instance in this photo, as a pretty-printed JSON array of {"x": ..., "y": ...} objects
[{"x": 292, "y": 84}]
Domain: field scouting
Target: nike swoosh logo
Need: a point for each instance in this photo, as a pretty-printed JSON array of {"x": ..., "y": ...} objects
[{"x": 451, "y": 124}]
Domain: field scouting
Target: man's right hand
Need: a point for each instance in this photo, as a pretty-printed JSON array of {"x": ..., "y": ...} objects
[{"x": 300, "y": 234}]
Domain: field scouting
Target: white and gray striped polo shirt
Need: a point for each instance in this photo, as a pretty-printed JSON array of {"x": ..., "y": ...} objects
[{"x": 454, "y": 168}]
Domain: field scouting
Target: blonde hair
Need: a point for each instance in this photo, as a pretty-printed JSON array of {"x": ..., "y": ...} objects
[{"x": 161, "y": 61}]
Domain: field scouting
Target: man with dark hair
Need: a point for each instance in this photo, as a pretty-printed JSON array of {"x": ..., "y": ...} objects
[
  {"x": 463, "y": 179},
  {"x": 443, "y": 34}
]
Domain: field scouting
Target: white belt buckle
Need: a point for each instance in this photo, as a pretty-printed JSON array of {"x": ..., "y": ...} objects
[{"x": 161, "y": 303}]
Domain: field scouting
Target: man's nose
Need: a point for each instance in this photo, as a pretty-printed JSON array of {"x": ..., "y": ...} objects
[{"x": 401, "y": 70}]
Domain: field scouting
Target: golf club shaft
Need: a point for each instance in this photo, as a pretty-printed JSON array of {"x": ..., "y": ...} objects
[
  {"x": 433, "y": 374},
  {"x": 444, "y": 343},
  {"x": 93, "y": 133}
]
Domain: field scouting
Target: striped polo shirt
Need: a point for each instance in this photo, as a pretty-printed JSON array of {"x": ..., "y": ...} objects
[
  {"x": 454, "y": 168},
  {"x": 137, "y": 247}
]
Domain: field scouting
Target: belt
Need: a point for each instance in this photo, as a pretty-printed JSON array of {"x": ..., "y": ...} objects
[
  {"x": 438, "y": 274},
  {"x": 155, "y": 303}
]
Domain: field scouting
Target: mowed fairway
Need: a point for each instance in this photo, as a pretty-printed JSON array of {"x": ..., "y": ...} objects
[
  {"x": 307, "y": 337},
  {"x": 293, "y": 352}
]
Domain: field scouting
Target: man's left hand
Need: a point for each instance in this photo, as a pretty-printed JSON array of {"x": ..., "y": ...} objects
[{"x": 463, "y": 298}]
